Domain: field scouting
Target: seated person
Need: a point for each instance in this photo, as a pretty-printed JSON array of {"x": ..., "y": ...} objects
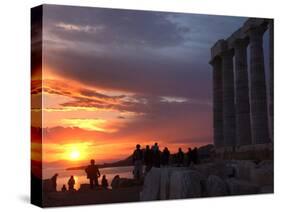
[{"x": 104, "y": 182}]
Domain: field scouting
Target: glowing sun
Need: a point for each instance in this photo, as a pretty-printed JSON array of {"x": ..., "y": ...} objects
[
  {"x": 74, "y": 155},
  {"x": 75, "y": 151}
]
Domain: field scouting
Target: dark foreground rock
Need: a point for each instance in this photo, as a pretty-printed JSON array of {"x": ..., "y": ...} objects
[
  {"x": 55, "y": 199},
  {"x": 171, "y": 183},
  {"x": 208, "y": 180},
  {"x": 118, "y": 182},
  {"x": 185, "y": 184},
  {"x": 240, "y": 187},
  {"x": 215, "y": 186}
]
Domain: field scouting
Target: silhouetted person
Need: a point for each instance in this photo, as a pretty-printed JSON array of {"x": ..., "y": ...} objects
[
  {"x": 54, "y": 181},
  {"x": 93, "y": 174},
  {"x": 155, "y": 147},
  {"x": 71, "y": 183},
  {"x": 180, "y": 157},
  {"x": 195, "y": 155},
  {"x": 189, "y": 156},
  {"x": 147, "y": 158},
  {"x": 165, "y": 156},
  {"x": 104, "y": 182},
  {"x": 137, "y": 161},
  {"x": 63, "y": 189},
  {"x": 156, "y": 156}
]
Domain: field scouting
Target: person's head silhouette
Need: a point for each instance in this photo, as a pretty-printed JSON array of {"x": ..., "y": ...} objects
[
  {"x": 93, "y": 162},
  {"x": 138, "y": 146}
]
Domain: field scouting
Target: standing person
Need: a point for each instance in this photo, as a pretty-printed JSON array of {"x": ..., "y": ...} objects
[
  {"x": 180, "y": 157},
  {"x": 104, "y": 182},
  {"x": 189, "y": 156},
  {"x": 71, "y": 183},
  {"x": 195, "y": 155},
  {"x": 165, "y": 156},
  {"x": 147, "y": 158},
  {"x": 63, "y": 189},
  {"x": 156, "y": 156},
  {"x": 54, "y": 181},
  {"x": 137, "y": 161},
  {"x": 93, "y": 174},
  {"x": 155, "y": 147}
]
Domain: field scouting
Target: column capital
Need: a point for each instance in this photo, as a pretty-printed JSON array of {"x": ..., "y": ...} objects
[
  {"x": 240, "y": 43},
  {"x": 227, "y": 54},
  {"x": 215, "y": 61},
  {"x": 255, "y": 25},
  {"x": 256, "y": 32},
  {"x": 217, "y": 48}
]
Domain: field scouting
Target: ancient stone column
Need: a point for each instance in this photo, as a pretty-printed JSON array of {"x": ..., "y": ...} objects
[
  {"x": 217, "y": 102},
  {"x": 271, "y": 76},
  {"x": 259, "y": 125},
  {"x": 243, "y": 121},
  {"x": 228, "y": 99}
]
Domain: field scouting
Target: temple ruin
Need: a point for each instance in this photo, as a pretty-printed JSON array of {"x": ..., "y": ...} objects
[{"x": 242, "y": 111}]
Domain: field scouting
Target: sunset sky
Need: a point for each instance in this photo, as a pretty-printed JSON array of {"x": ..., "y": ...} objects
[{"x": 115, "y": 78}]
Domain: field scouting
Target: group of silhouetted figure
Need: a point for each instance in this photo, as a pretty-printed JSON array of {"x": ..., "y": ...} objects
[
  {"x": 93, "y": 174},
  {"x": 150, "y": 157},
  {"x": 153, "y": 157}
]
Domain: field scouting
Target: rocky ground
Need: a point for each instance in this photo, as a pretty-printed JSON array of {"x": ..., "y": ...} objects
[
  {"x": 87, "y": 196},
  {"x": 208, "y": 180},
  {"x": 217, "y": 178}
]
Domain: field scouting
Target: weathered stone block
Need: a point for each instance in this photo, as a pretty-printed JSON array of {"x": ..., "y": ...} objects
[
  {"x": 263, "y": 175},
  {"x": 185, "y": 184},
  {"x": 240, "y": 187},
  {"x": 216, "y": 186},
  {"x": 151, "y": 186}
]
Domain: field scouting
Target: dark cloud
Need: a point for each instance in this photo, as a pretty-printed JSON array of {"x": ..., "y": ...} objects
[
  {"x": 144, "y": 52},
  {"x": 159, "y": 76},
  {"x": 149, "y": 54},
  {"x": 112, "y": 26}
]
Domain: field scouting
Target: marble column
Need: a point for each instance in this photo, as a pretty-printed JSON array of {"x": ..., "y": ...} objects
[
  {"x": 271, "y": 76},
  {"x": 260, "y": 133},
  {"x": 217, "y": 102},
  {"x": 243, "y": 120},
  {"x": 229, "y": 131}
]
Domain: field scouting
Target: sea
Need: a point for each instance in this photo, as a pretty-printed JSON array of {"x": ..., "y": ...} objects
[{"x": 81, "y": 178}]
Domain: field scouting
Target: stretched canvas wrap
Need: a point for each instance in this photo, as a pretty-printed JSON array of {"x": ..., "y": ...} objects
[{"x": 132, "y": 106}]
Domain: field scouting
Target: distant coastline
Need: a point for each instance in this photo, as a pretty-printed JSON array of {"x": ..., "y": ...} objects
[
  {"x": 203, "y": 151},
  {"x": 126, "y": 162}
]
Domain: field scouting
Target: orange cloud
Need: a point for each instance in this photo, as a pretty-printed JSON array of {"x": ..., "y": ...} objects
[{"x": 88, "y": 124}]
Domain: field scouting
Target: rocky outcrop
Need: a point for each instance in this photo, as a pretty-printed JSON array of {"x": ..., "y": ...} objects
[
  {"x": 165, "y": 183},
  {"x": 185, "y": 184},
  {"x": 151, "y": 186},
  {"x": 262, "y": 175},
  {"x": 240, "y": 187},
  {"x": 222, "y": 169},
  {"x": 118, "y": 182},
  {"x": 244, "y": 168},
  {"x": 205, "y": 180},
  {"x": 48, "y": 186},
  {"x": 85, "y": 187},
  {"x": 266, "y": 189},
  {"x": 171, "y": 183},
  {"x": 215, "y": 186}
]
